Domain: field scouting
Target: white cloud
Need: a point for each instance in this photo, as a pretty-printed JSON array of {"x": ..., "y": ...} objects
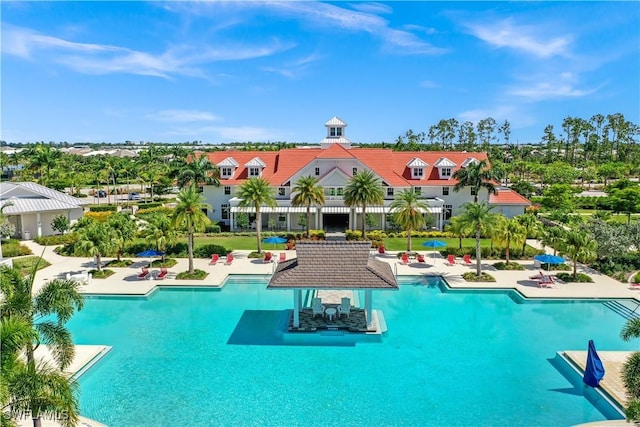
[
  {"x": 378, "y": 8},
  {"x": 527, "y": 38},
  {"x": 228, "y": 133},
  {"x": 565, "y": 85},
  {"x": 183, "y": 116},
  {"x": 429, "y": 84}
]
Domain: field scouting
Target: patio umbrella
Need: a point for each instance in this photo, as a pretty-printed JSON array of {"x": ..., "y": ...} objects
[
  {"x": 549, "y": 259},
  {"x": 275, "y": 240},
  {"x": 594, "y": 371},
  {"x": 150, "y": 253},
  {"x": 434, "y": 244}
]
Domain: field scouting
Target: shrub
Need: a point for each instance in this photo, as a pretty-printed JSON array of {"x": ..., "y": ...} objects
[
  {"x": 99, "y": 216},
  {"x": 150, "y": 205},
  {"x": 580, "y": 278},
  {"x": 484, "y": 277},
  {"x": 121, "y": 263},
  {"x": 12, "y": 248},
  {"x": 168, "y": 262},
  {"x": 103, "y": 274},
  {"x": 212, "y": 228},
  {"x": 103, "y": 208},
  {"x": 317, "y": 234},
  {"x": 353, "y": 234},
  {"x": 511, "y": 266},
  {"x": 147, "y": 211},
  {"x": 197, "y": 275},
  {"x": 376, "y": 235},
  {"x": 256, "y": 254},
  {"x": 205, "y": 251}
]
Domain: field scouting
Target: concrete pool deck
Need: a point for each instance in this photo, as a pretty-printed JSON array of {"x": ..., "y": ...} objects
[{"x": 125, "y": 282}]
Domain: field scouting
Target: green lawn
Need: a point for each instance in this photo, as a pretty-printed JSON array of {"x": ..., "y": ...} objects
[{"x": 400, "y": 243}]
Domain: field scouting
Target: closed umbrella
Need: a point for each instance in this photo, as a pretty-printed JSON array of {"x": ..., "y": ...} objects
[
  {"x": 433, "y": 244},
  {"x": 275, "y": 240},
  {"x": 549, "y": 259}
]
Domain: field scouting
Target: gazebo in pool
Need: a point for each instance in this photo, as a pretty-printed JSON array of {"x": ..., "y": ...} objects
[{"x": 333, "y": 265}]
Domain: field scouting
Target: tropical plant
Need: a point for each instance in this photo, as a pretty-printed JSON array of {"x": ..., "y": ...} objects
[
  {"x": 458, "y": 229},
  {"x": 60, "y": 223},
  {"x": 43, "y": 158},
  {"x": 95, "y": 238},
  {"x": 508, "y": 232},
  {"x": 476, "y": 175},
  {"x": 408, "y": 211},
  {"x": 189, "y": 215},
  {"x": 631, "y": 371},
  {"x": 580, "y": 247},
  {"x": 254, "y": 193},
  {"x": 531, "y": 226},
  {"x": 158, "y": 230},
  {"x": 199, "y": 171},
  {"x": 477, "y": 217},
  {"x": 307, "y": 192},
  {"x": 124, "y": 229},
  {"x": 363, "y": 189},
  {"x": 552, "y": 236}
]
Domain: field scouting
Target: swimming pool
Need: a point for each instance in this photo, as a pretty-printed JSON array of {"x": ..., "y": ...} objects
[{"x": 213, "y": 357}]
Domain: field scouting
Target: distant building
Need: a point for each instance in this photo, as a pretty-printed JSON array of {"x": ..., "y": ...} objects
[
  {"x": 31, "y": 207},
  {"x": 428, "y": 173}
]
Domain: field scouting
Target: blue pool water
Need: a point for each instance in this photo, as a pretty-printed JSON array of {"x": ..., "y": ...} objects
[{"x": 187, "y": 357}]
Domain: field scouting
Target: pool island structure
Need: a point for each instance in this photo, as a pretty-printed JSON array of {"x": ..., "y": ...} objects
[{"x": 332, "y": 273}]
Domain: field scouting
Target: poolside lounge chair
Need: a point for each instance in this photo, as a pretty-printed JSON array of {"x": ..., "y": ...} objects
[
  {"x": 546, "y": 282},
  {"x": 421, "y": 259},
  {"x": 163, "y": 273},
  {"x": 283, "y": 257},
  {"x": 344, "y": 307},
  {"x": 451, "y": 259},
  {"x": 143, "y": 274},
  {"x": 381, "y": 249},
  {"x": 229, "y": 259},
  {"x": 267, "y": 257},
  {"x": 214, "y": 259},
  {"x": 538, "y": 276},
  {"x": 405, "y": 259},
  {"x": 634, "y": 285},
  {"x": 467, "y": 259},
  {"x": 317, "y": 307}
]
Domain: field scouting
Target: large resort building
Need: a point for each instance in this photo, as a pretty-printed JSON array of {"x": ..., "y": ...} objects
[{"x": 428, "y": 173}]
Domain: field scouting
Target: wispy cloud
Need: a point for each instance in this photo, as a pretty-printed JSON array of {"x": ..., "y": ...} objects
[
  {"x": 228, "y": 133},
  {"x": 527, "y": 38},
  {"x": 94, "y": 58},
  {"x": 564, "y": 85},
  {"x": 429, "y": 84},
  {"x": 183, "y": 116},
  {"x": 293, "y": 68}
]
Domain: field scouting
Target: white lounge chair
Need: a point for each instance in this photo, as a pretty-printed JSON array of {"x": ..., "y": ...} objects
[
  {"x": 345, "y": 307},
  {"x": 317, "y": 307}
]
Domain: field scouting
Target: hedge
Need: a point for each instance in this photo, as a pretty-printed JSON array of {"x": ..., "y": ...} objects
[{"x": 103, "y": 208}]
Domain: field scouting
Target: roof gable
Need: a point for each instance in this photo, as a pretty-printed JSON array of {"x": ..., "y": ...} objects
[
  {"x": 228, "y": 162},
  {"x": 417, "y": 162},
  {"x": 443, "y": 162},
  {"x": 335, "y": 151},
  {"x": 335, "y": 176}
]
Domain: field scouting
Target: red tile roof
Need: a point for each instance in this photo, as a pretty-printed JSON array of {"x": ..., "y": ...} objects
[{"x": 508, "y": 197}]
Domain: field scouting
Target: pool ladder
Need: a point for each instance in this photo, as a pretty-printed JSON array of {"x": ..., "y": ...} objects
[{"x": 623, "y": 310}]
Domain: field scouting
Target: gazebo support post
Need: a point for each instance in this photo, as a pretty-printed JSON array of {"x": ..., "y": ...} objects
[
  {"x": 367, "y": 307},
  {"x": 296, "y": 307}
]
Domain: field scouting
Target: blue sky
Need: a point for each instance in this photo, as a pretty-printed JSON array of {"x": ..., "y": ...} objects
[{"x": 276, "y": 71}]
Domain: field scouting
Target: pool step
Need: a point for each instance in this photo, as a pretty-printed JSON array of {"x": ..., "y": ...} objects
[{"x": 623, "y": 310}]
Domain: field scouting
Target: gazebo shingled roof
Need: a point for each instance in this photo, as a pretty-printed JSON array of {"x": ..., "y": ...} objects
[{"x": 333, "y": 265}]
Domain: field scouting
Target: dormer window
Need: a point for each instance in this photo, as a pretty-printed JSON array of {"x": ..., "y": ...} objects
[
  {"x": 417, "y": 173},
  {"x": 226, "y": 172},
  {"x": 417, "y": 166},
  {"x": 334, "y": 131},
  {"x": 445, "y": 172},
  {"x": 255, "y": 167},
  {"x": 227, "y": 167},
  {"x": 254, "y": 171},
  {"x": 445, "y": 167}
]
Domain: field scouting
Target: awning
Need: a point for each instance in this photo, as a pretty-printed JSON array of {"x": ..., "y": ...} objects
[
  {"x": 336, "y": 209},
  {"x": 268, "y": 209},
  {"x": 373, "y": 209}
]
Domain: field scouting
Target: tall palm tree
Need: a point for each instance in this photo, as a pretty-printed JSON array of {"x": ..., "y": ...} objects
[
  {"x": 476, "y": 175},
  {"x": 159, "y": 230},
  {"x": 409, "y": 212},
  {"x": 254, "y": 193},
  {"x": 43, "y": 158},
  {"x": 306, "y": 193},
  {"x": 363, "y": 189},
  {"x": 508, "y": 232},
  {"x": 531, "y": 225},
  {"x": 189, "y": 215},
  {"x": 458, "y": 229},
  {"x": 631, "y": 371},
  {"x": 95, "y": 239},
  {"x": 124, "y": 229},
  {"x": 477, "y": 217},
  {"x": 199, "y": 171},
  {"x": 552, "y": 236},
  {"x": 580, "y": 247}
]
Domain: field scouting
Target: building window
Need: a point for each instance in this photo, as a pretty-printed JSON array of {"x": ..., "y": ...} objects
[
  {"x": 445, "y": 171},
  {"x": 282, "y": 218},
  {"x": 254, "y": 171},
  {"x": 417, "y": 190},
  {"x": 224, "y": 208},
  {"x": 338, "y": 131},
  {"x": 339, "y": 191},
  {"x": 281, "y": 191},
  {"x": 317, "y": 171},
  {"x": 227, "y": 190},
  {"x": 473, "y": 191},
  {"x": 355, "y": 171},
  {"x": 445, "y": 191},
  {"x": 332, "y": 131},
  {"x": 446, "y": 211},
  {"x": 390, "y": 191},
  {"x": 226, "y": 172},
  {"x": 418, "y": 172}
]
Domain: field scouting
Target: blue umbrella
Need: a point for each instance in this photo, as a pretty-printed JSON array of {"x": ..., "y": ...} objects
[
  {"x": 549, "y": 259},
  {"x": 594, "y": 371},
  {"x": 150, "y": 253},
  {"x": 434, "y": 244},
  {"x": 275, "y": 240}
]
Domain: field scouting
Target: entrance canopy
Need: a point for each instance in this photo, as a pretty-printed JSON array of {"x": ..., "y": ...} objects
[{"x": 333, "y": 265}]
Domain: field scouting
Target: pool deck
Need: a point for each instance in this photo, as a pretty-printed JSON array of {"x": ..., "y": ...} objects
[{"x": 125, "y": 282}]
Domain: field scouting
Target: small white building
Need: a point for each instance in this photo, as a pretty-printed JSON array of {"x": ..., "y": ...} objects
[{"x": 31, "y": 207}]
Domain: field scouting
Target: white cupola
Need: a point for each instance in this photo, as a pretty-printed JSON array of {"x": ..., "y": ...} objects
[{"x": 335, "y": 134}]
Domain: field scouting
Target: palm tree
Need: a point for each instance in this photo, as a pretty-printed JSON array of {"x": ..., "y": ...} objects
[
  {"x": 95, "y": 239},
  {"x": 124, "y": 229},
  {"x": 159, "y": 230},
  {"x": 306, "y": 193},
  {"x": 531, "y": 225},
  {"x": 580, "y": 247},
  {"x": 409, "y": 212},
  {"x": 476, "y": 175},
  {"x": 199, "y": 171},
  {"x": 43, "y": 158},
  {"x": 552, "y": 236},
  {"x": 631, "y": 371},
  {"x": 256, "y": 192},
  {"x": 458, "y": 229},
  {"x": 363, "y": 189},
  {"x": 189, "y": 215},
  {"x": 509, "y": 231},
  {"x": 477, "y": 217}
]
